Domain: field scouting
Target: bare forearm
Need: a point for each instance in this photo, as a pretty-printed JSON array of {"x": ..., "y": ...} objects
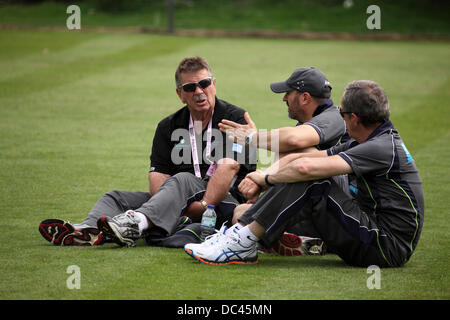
[
  {"x": 288, "y": 139},
  {"x": 288, "y": 158},
  {"x": 306, "y": 169},
  {"x": 220, "y": 182},
  {"x": 303, "y": 169},
  {"x": 216, "y": 190}
]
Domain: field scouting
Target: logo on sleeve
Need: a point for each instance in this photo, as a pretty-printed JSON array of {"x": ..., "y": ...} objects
[{"x": 408, "y": 155}]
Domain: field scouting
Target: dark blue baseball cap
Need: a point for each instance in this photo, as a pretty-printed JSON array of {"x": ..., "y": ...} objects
[{"x": 308, "y": 80}]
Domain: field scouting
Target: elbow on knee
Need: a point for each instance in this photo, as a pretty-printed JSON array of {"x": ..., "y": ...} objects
[{"x": 231, "y": 164}]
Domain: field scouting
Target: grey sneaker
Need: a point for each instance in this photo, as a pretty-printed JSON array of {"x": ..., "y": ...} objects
[{"x": 123, "y": 229}]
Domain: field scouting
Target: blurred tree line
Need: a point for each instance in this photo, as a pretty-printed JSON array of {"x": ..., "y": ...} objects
[
  {"x": 135, "y": 5},
  {"x": 101, "y": 5}
]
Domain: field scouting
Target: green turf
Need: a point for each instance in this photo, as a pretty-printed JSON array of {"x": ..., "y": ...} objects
[{"x": 78, "y": 112}]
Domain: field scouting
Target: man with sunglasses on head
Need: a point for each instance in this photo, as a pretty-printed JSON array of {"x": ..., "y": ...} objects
[
  {"x": 380, "y": 227},
  {"x": 189, "y": 170}
]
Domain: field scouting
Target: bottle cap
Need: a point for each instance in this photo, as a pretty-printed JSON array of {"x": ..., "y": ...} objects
[{"x": 210, "y": 206}]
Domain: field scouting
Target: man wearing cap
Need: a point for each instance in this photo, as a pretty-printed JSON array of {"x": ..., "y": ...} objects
[
  {"x": 381, "y": 227},
  {"x": 307, "y": 95}
]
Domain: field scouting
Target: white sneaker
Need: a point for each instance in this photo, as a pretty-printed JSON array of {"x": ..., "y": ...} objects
[{"x": 222, "y": 248}]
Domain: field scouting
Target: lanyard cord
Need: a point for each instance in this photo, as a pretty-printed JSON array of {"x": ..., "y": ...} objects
[{"x": 194, "y": 145}]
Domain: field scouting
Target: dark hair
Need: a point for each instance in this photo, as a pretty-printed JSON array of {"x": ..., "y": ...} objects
[
  {"x": 191, "y": 64},
  {"x": 368, "y": 100}
]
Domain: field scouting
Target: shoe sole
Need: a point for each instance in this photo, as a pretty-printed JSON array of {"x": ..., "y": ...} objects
[
  {"x": 189, "y": 252},
  {"x": 111, "y": 232},
  {"x": 291, "y": 240},
  {"x": 294, "y": 245},
  {"x": 288, "y": 245},
  {"x": 62, "y": 233},
  {"x": 314, "y": 247}
]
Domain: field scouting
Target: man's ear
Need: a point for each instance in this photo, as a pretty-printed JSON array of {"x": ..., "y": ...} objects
[
  {"x": 308, "y": 97},
  {"x": 355, "y": 119},
  {"x": 304, "y": 98}
]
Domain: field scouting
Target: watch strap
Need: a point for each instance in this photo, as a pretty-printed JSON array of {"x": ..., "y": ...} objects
[
  {"x": 266, "y": 180},
  {"x": 249, "y": 138},
  {"x": 204, "y": 204}
]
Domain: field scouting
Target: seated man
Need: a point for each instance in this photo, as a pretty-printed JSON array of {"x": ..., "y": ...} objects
[
  {"x": 380, "y": 227},
  {"x": 183, "y": 179},
  {"x": 319, "y": 125}
]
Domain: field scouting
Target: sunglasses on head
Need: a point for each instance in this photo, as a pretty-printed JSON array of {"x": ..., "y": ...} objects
[{"x": 191, "y": 86}]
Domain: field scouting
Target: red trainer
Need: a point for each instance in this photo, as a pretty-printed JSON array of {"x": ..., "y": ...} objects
[
  {"x": 293, "y": 245},
  {"x": 63, "y": 233}
]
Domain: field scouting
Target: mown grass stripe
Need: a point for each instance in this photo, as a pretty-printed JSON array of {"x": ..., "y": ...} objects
[
  {"x": 427, "y": 120},
  {"x": 59, "y": 74},
  {"x": 48, "y": 52}
]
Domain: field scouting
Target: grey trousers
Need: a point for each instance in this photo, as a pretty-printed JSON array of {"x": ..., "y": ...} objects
[
  {"x": 165, "y": 207},
  {"x": 357, "y": 237}
]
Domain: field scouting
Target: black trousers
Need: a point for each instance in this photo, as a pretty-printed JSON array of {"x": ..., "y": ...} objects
[{"x": 355, "y": 236}]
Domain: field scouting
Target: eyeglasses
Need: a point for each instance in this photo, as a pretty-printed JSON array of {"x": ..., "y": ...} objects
[
  {"x": 191, "y": 86},
  {"x": 344, "y": 112}
]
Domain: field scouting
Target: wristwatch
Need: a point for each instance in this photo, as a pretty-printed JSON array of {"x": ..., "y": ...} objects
[
  {"x": 204, "y": 204},
  {"x": 249, "y": 138}
]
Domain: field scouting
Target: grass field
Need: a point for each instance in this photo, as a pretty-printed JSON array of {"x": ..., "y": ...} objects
[{"x": 78, "y": 112}]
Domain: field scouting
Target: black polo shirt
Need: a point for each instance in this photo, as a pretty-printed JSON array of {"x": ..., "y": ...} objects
[
  {"x": 389, "y": 186},
  {"x": 171, "y": 150}
]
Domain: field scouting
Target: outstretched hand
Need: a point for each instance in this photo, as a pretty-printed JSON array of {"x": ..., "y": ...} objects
[{"x": 236, "y": 131}]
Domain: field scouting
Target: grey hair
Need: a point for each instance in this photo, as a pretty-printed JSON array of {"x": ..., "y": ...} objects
[
  {"x": 368, "y": 100},
  {"x": 191, "y": 64}
]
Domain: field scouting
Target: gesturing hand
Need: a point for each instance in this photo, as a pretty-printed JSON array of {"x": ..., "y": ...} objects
[{"x": 238, "y": 132}]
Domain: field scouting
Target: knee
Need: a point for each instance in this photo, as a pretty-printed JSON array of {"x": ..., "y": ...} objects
[
  {"x": 239, "y": 211},
  {"x": 183, "y": 180},
  {"x": 182, "y": 176},
  {"x": 115, "y": 194},
  {"x": 115, "y": 197},
  {"x": 229, "y": 164}
]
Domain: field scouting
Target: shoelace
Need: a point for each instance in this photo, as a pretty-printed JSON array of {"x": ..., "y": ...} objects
[
  {"x": 227, "y": 238},
  {"x": 214, "y": 238},
  {"x": 126, "y": 218}
]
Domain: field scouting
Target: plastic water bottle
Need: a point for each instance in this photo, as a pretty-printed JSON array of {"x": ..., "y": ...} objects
[{"x": 208, "y": 222}]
